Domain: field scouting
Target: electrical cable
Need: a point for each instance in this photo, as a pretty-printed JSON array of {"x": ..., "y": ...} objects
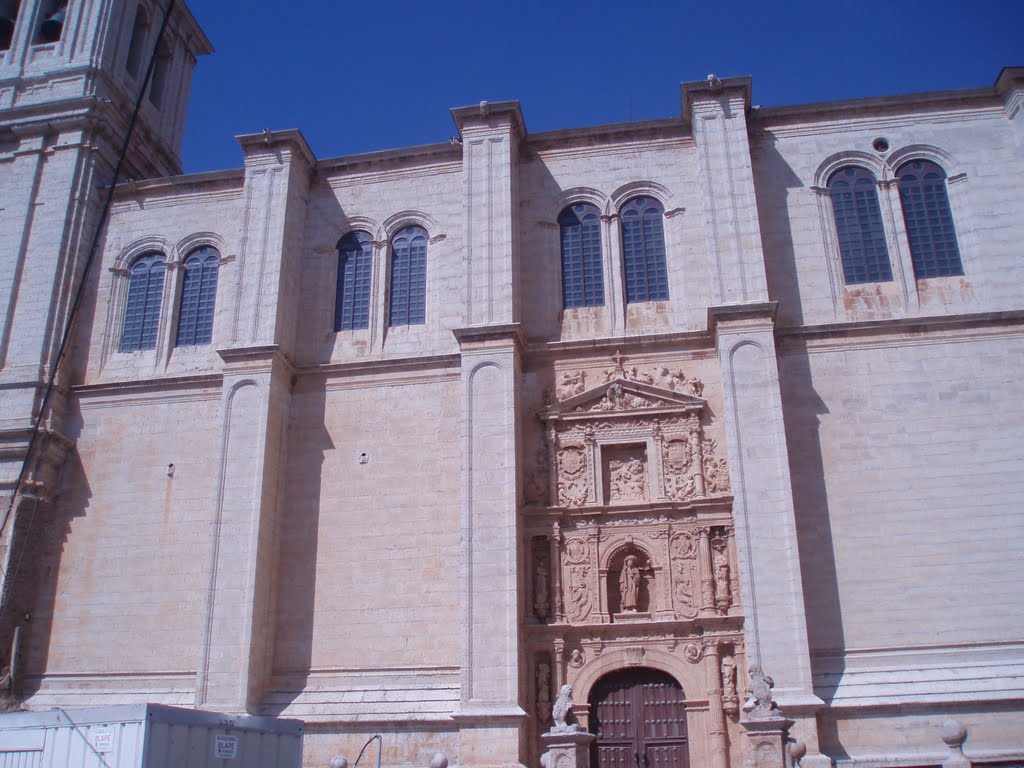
[{"x": 76, "y": 305}]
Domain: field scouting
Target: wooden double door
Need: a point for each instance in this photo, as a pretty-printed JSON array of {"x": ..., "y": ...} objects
[{"x": 639, "y": 717}]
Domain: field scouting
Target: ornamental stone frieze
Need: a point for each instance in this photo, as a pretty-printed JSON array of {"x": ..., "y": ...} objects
[{"x": 602, "y": 571}]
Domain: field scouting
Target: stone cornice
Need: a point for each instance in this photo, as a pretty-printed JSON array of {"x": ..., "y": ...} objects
[
  {"x": 261, "y": 358},
  {"x": 759, "y": 313},
  {"x": 424, "y": 154},
  {"x": 385, "y": 365},
  {"x": 977, "y": 98},
  {"x": 143, "y": 385},
  {"x": 696, "y": 339},
  {"x": 488, "y": 335},
  {"x": 933, "y": 323}
]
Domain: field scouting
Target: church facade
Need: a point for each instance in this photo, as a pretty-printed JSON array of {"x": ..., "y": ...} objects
[{"x": 403, "y": 442}]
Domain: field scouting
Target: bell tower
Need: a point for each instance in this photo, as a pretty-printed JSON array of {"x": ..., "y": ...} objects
[{"x": 71, "y": 74}]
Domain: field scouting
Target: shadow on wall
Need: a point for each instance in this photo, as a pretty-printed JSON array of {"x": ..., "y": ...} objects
[
  {"x": 802, "y": 411},
  {"x": 773, "y": 182},
  {"x": 298, "y": 537},
  {"x": 41, "y": 529}
]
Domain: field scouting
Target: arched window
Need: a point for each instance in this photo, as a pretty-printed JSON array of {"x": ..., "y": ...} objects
[
  {"x": 933, "y": 247},
  {"x": 198, "y": 295},
  {"x": 140, "y": 31},
  {"x": 643, "y": 248},
  {"x": 582, "y": 277},
  {"x": 142, "y": 309},
  {"x": 862, "y": 248},
  {"x": 352, "y": 301},
  {"x": 408, "y": 297}
]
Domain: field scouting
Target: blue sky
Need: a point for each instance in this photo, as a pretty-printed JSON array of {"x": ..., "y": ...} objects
[{"x": 363, "y": 76}]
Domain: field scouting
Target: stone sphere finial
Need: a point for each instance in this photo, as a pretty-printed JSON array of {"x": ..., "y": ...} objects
[
  {"x": 439, "y": 760},
  {"x": 339, "y": 762},
  {"x": 953, "y": 733}
]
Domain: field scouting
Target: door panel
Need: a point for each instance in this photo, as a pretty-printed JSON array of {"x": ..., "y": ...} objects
[{"x": 639, "y": 717}]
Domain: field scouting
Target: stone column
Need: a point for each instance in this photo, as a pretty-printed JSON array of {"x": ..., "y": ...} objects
[
  {"x": 707, "y": 579},
  {"x": 716, "y": 716},
  {"x": 490, "y": 718}
]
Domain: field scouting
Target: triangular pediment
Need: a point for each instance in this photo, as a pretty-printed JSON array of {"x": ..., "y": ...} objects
[{"x": 622, "y": 395}]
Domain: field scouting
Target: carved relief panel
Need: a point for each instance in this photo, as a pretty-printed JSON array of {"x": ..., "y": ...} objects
[{"x": 628, "y": 441}]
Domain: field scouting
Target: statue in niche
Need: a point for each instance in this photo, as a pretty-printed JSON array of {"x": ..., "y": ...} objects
[
  {"x": 543, "y": 690},
  {"x": 540, "y": 586},
  {"x": 723, "y": 597},
  {"x": 629, "y": 584},
  {"x": 628, "y": 479},
  {"x": 716, "y": 476},
  {"x": 579, "y": 592},
  {"x": 730, "y": 698}
]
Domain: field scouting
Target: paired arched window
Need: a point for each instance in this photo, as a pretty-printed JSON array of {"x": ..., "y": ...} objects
[
  {"x": 929, "y": 221},
  {"x": 582, "y": 277},
  {"x": 643, "y": 253},
  {"x": 142, "y": 308},
  {"x": 408, "y": 296},
  {"x": 643, "y": 249},
  {"x": 862, "y": 248},
  {"x": 926, "y": 213},
  {"x": 198, "y": 294},
  {"x": 352, "y": 301}
]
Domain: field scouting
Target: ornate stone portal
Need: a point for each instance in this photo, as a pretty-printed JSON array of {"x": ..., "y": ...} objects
[{"x": 632, "y": 554}]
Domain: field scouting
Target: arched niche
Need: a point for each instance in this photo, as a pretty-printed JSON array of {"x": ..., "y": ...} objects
[{"x": 630, "y": 583}]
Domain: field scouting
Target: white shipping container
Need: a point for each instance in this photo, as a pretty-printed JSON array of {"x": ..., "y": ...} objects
[{"x": 147, "y": 736}]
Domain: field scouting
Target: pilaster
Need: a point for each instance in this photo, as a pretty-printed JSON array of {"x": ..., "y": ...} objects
[
  {"x": 490, "y": 718},
  {"x": 1010, "y": 86},
  {"x": 236, "y": 644},
  {"x": 278, "y": 167},
  {"x": 490, "y": 147},
  {"x": 775, "y": 628},
  {"x": 717, "y": 111}
]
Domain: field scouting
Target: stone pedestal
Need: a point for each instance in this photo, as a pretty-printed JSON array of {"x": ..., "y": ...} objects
[
  {"x": 767, "y": 742},
  {"x": 566, "y": 748}
]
